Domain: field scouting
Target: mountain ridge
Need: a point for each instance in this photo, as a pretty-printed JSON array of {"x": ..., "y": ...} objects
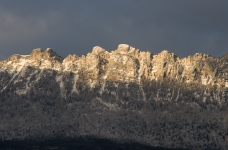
[
  {"x": 159, "y": 99},
  {"x": 128, "y": 64}
]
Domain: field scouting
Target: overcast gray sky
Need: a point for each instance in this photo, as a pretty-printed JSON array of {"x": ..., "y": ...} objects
[{"x": 184, "y": 27}]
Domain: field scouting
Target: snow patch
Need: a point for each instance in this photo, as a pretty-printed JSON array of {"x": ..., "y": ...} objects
[
  {"x": 116, "y": 85},
  {"x": 109, "y": 105},
  {"x": 226, "y": 84},
  {"x": 105, "y": 77},
  {"x": 157, "y": 98},
  {"x": 193, "y": 105},
  {"x": 22, "y": 63},
  {"x": 39, "y": 76},
  {"x": 9, "y": 62},
  {"x": 113, "y": 93},
  {"x": 66, "y": 66},
  {"x": 59, "y": 79},
  {"x": 102, "y": 88},
  {"x": 196, "y": 95},
  {"x": 92, "y": 83},
  {"x": 23, "y": 91},
  {"x": 143, "y": 93},
  {"x": 206, "y": 80},
  {"x": 74, "y": 89},
  {"x": 23, "y": 72},
  {"x": 178, "y": 94}
]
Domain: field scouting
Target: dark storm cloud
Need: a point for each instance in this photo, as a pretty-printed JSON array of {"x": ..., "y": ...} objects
[{"x": 182, "y": 27}]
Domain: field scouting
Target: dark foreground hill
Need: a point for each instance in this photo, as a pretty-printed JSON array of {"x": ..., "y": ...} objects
[{"x": 83, "y": 143}]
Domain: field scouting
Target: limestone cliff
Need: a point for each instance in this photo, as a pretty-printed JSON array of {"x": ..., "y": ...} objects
[{"x": 127, "y": 64}]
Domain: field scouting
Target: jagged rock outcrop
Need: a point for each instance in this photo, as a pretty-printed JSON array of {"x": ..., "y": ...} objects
[
  {"x": 127, "y": 64},
  {"x": 125, "y": 94}
]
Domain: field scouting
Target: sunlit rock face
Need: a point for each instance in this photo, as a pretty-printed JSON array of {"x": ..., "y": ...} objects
[
  {"x": 44, "y": 54},
  {"x": 120, "y": 94},
  {"x": 127, "y": 64}
]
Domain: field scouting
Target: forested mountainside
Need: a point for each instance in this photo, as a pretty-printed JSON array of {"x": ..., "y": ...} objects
[{"x": 126, "y": 94}]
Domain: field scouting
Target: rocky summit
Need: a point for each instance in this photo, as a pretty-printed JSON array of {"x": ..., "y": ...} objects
[{"x": 160, "y": 100}]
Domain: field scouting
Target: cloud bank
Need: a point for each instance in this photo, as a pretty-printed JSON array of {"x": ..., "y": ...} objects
[{"x": 182, "y": 27}]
